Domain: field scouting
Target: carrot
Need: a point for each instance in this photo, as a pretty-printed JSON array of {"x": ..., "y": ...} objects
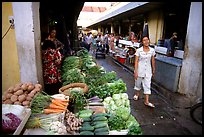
[
  {"x": 63, "y": 100},
  {"x": 49, "y": 111},
  {"x": 59, "y": 103},
  {"x": 53, "y": 106}
]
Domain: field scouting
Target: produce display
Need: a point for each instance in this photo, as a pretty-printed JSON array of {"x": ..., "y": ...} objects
[
  {"x": 21, "y": 94},
  {"x": 72, "y": 123},
  {"x": 93, "y": 124},
  {"x": 44, "y": 103},
  {"x": 121, "y": 119},
  {"x": 101, "y": 104}
]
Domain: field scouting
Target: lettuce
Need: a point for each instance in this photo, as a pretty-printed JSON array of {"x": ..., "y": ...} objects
[{"x": 123, "y": 112}]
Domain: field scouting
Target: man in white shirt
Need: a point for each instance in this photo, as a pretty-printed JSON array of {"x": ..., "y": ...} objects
[{"x": 88, "y": 40}]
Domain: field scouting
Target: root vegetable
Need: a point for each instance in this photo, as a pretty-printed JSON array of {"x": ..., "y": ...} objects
[
  {"x": 34, "y": 91},
  {"x": 19, "y": 92},
  {"x": 30, "y": 87},
  {"x": 14, "y": 98},
  {"x": 38, "y": 86},
  {"x": 8, "y": 95},
  {"x": 24, "y": 87},
  {"x": 28, "y": 98},
  {"x": 8, "y": 101},
  {"x": 21, "y": 98},
  {"x": 17, "y": 103},
  {"x": 49, "y": 111},
  {"x": 16, "y": 88},
  {"x": 25, "y": 103},
  {"x": 10, "y": 90},
  {"x": 31, "y": 95}
]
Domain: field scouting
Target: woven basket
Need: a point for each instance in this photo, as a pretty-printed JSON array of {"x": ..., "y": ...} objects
[{"x": 65, "y": 89}]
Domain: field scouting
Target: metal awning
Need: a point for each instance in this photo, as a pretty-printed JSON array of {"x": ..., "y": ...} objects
[{"x": 129, "y": 10}]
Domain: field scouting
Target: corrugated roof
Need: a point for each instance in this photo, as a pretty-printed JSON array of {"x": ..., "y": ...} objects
[{"x": 93, "y": 9}]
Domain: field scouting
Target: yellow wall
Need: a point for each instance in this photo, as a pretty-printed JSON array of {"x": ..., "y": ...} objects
[
  {"x": 155, "y": 23},
  {"x": 10, "y": 65}
]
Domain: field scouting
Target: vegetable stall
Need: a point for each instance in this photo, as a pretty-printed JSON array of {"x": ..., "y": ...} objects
[{"x": 91, "y": 102}]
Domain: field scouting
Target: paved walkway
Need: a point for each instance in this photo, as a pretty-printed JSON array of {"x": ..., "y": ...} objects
[{"x": 165, "y": 119}]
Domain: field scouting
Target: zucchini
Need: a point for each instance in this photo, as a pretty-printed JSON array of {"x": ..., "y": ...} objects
[
  {"x": 102, "y": 133},
  {"x": 86, "y": 128},
  {"x": 86, "y": 124},
  {"x": 101, "y": 118},
  {"x": 86, "y": 133},
  {"x": 103, "y": 129}
]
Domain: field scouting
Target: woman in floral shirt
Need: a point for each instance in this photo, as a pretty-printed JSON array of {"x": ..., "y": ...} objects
[{"x": 52, "y": 60}]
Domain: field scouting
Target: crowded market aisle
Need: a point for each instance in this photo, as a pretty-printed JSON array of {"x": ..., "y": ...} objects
[{"x": 161, "y": 120}]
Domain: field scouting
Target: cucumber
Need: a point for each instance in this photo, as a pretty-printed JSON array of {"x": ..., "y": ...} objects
[
  {"x": 102, "y": 133},
  {"x": 100, "y": 118},
  {"x": 87, "y": 119},
  {"x": 103, "y": 129},
  {"x": 98, "y": 114},
  {"x": 101, "y": 125},
  {"x": 86, "y": 133},
  {"x": 99, "y": 122},
  {"x": 86, "y": 128}
]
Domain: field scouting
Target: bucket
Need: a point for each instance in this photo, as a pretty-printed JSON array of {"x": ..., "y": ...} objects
[{"x": 121, "y": 59}]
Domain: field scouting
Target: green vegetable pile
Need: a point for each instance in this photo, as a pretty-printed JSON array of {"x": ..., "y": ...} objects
[{"x": 83, "y": 68}]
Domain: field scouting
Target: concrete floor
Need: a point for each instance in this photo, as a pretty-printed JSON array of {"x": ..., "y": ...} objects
[{"x": 164, "y": 119}]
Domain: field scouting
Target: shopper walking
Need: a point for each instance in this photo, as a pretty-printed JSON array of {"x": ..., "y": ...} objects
[{"x": 144, "y": 70}]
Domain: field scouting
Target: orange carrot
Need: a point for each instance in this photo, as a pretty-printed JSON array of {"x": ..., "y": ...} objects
[
  {"x": 53, "y": 106},
  {"x": 63, "y": 100},
  {"x": 49, "y": 111},
  {"x": 59, "y": 103}
]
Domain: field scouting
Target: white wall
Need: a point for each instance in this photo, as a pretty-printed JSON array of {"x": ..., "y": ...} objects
[
  {"x": 191, "y": 72},
  {"x": 25, "y": 40}
]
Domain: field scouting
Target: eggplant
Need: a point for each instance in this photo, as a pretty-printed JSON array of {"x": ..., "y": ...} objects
[{"x": 93, "y": 98}]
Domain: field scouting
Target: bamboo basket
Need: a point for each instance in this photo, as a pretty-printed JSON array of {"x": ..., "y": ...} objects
[{"x": 65, "y": 89}]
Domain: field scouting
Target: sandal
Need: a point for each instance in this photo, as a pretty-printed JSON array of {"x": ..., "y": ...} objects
[
  {"x": 136, "y": 97},
  {"x": 149, "y": 105}
]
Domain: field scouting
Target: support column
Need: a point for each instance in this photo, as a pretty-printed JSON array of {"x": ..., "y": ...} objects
[
  {"x": 119, "y": 30},
  {"x": 112, "y": 28},
  {"x": 27, "y": 30},
  {"x": 191, "y": 71}
]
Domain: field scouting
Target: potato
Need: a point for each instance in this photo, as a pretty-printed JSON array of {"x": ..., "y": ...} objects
[
  {"x": 30, "y": 87},
  {"x": 8, "y": 95},
  {"x": 19, "y": 92},
  {"x": 24, "y": 87},
  {"x": 16, "y": 88},
  {"x": 28, "y": 98},
  {"x": 34, "y": 91},
  {"x": 8, "y": 101},
  {"x": 17, "y": 103},
  {"x": 31, "y": 95},
  {"x": 10, "y": 90},
  {"x": 21, "y": 98},
  {"x": 4, "y": 97},
  {"x": 14, "y": 98},
  {"x": 25, "y": 103},
  {"x": 38, "y": 86}
]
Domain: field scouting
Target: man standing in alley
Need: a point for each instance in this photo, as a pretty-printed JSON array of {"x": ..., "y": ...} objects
[{"x": 88, "y": 40}]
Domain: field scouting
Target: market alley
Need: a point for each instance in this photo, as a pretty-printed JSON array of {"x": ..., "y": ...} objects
[{"x": 164, "y": 119}]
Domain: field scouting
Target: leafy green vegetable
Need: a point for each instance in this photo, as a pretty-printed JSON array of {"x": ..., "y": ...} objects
[
  {"x": 135, "y": 130},
  {"x": 123, "y": 112},
  {"x": 116, "y": 122},
  {"x": 72, "y": 76}
]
